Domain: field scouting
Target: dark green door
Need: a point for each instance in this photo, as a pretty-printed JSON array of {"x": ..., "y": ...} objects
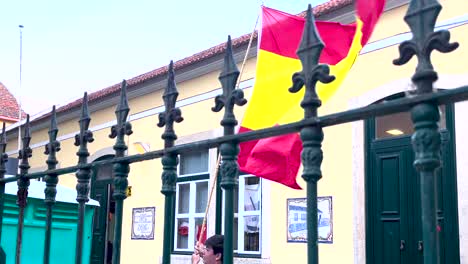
[
  {"x": 102, "y": 221},
  {"x": 99, "y": 242},
  {"x": 393, "y": 222}
]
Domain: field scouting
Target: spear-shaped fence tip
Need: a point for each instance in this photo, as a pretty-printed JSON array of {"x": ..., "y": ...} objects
[
  {"x": 310, "y": 39},
  {"x": 229, "y": 62},
  {"x": 53, "y": 120},
  {"x": 171, "y": 85},
  {"x": 84, "y": 107},
  {"x": 27, "y": 131},
  {"x": 123, "y": 104}
]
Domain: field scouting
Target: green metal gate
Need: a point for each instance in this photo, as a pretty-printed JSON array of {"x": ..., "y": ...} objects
[{"x": 426, "y": 140}]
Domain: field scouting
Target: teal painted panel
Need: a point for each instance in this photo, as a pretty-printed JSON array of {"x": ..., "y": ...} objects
[
  {"x": 390, "y": 245},
  {"x": 63, "y": 232}
]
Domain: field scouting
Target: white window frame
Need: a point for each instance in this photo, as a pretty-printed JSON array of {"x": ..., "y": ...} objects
[
  {"x": 191, "y": 215},
  {"x": 242, "y": 213},
  {"x": 181, "y": 176}
]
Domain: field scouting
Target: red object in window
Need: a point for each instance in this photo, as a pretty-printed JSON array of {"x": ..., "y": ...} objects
[
  {"x": 183, "y": 229},
  {"x": 203, "y": 238}
]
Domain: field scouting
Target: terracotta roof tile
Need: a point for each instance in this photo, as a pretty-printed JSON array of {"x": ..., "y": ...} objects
[
  {"x": 322, "y": 9},
  {"x": 8, "y": 105}
]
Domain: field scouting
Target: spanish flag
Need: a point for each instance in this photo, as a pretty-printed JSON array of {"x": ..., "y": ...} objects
[{"x": 278, "y": 158}]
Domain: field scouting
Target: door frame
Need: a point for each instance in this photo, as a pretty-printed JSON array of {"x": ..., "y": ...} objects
[
  {"x": 447, "y": 81},
  {"x": 94, "y": 182},
  {"x": 449, "y": 191}
]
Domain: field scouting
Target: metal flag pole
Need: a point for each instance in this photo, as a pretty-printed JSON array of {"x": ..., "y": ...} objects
[
  {"x": 20, "y": 84},
  {"x": 213, "y": 186}
]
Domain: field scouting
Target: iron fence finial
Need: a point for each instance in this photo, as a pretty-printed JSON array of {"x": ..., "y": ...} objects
[
  {"x": 229, "y": 169},
  {"x": 171, "y": 113},
  {"x": 426, "y": 140},
  {"x": 231, "y": 96},
  {"x": 421, "y": 18},
  {"x": 122, "y": 127},
  {"x": 169, "y": 161},
  {"x": 309, "y": 52}
]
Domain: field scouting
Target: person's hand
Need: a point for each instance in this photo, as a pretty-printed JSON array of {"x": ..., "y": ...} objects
[
  {"x": 197, "y": 253},
  {"x": 195, "y": 258}
]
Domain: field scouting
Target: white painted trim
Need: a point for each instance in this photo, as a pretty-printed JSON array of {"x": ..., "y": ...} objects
[
  {"x": 100, "y": 153},
  {"x": 461, "y": 129},
  {"x": 266, "y": 216},
  {"x": 397, "y": 39}
]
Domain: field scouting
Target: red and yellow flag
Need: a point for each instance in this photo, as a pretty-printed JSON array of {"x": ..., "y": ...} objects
[{"x": 278, "y": 158}]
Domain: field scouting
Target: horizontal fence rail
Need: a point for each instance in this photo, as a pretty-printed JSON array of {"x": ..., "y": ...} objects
[
  {"x": 422, "y": 103},
  {"x": 440, "y": 97}
]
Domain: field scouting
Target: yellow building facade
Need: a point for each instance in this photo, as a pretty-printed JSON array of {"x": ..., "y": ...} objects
[{"x": 347, "y": 151}]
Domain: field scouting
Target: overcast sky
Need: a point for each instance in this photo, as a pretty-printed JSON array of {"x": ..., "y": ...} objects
[{"x": 86, "y": 45}]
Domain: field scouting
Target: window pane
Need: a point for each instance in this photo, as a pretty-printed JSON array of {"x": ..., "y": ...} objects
[
  {"x": 104, "y": 172},
  {"x": 184, "y": 195},
  {"x": 198, "y": 226},
  {"x": 202, "y": 197},
  {"x": 182, "y": 233},
  {"x": 400, "y": 124},
  {"x": 194, "y": 162},
  {"x": 251, "y": 233},
  {"x": 251, "y": 194}
]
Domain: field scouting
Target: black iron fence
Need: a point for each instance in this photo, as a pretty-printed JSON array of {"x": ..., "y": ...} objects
[{"x": 423, "y": 104}]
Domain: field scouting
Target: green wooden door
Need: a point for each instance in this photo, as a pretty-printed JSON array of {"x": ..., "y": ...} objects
[
  {"x": 99, "y": 243},
  {"x": 393, "y": 217},
  {"x": 389, "y": 197},
  {"x": 101, "y": 192}
]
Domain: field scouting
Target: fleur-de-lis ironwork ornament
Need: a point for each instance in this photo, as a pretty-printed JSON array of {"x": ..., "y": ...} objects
[
  {"x": 171, "y": 113},
  {"x": 82, "y": 139},
  {"x": 24, "y": 154},
  {"x": 51, "y": 149},
  {"x": 54, "y": 144},
  {"x": 231, "y": 96},
  {"x": 85, "y": 136},
  {"x": 309, "y": 51},
  {"x": 421, "y": 18},
  {"x": 122, "y": 127}
]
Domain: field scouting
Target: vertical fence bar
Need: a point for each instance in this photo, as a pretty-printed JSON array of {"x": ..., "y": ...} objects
[
  {"x": 421, "y": 18},
  {"x": 229, "y": 150},
  {"x": 169, "y": 161},
  {"x": 51, "y": 180},
  {"x": 83, "y": 174},
  {"x": 121, "y": 169},
  {"x": 23, "y": 183},
  {"x": 3, "y": 160},
  {"x": 309, "y": 51}
]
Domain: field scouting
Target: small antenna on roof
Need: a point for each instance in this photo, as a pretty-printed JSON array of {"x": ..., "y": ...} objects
[{"x": 20, "y": 83}]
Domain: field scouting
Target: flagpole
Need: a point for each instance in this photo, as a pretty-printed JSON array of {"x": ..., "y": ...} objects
[
  {"x": 247, "y": 52},
  {"x": 213, "y": 186},
  {"x": 20, "y": 84}
]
